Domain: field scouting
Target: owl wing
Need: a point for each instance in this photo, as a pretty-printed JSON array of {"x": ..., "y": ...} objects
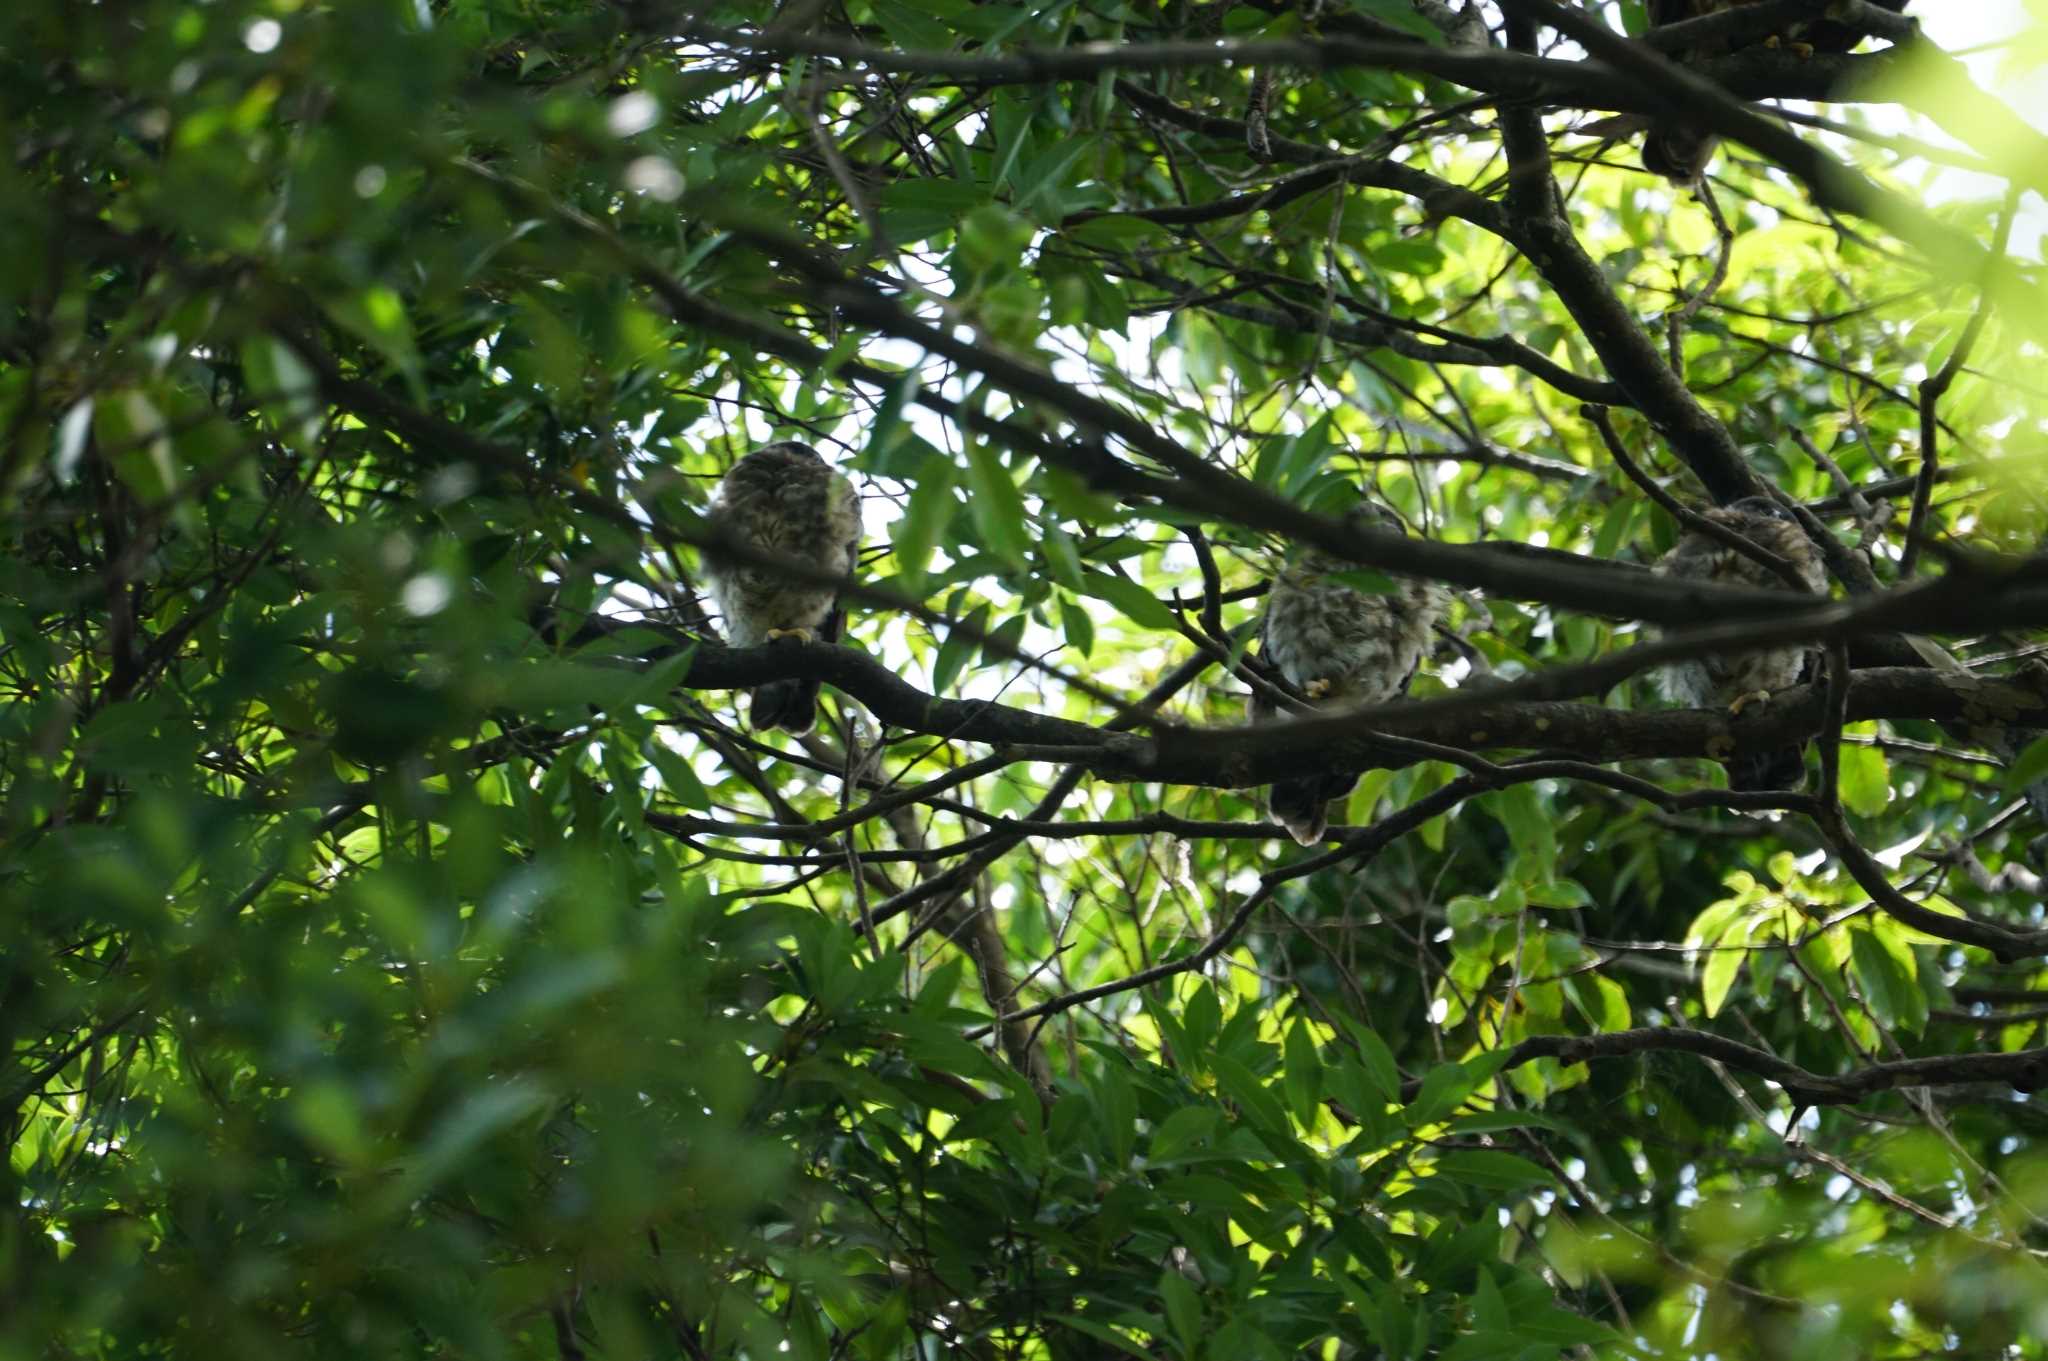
[
  {"x": 844, "y": 547},
  {"x": 1721, "y": 678}
]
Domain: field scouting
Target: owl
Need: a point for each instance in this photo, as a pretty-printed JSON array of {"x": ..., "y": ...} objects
[
  {"x": 1679, "y": 149},
  {"x": 1736, "y": 679},
  {"x": 1342, "y": 647},
  {"x": 786, "y": 500}
]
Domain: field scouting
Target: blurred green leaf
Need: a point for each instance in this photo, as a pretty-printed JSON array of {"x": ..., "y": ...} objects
[{"x": 924, "y": 521}]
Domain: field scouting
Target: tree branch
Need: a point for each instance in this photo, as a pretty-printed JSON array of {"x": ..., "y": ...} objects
[
  {"x": 2025, "y": 1070},
  {"x": 1239, "y": 757}
]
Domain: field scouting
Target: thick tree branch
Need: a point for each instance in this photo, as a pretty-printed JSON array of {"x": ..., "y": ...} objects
[
  {"x": 1675, "y": 90},
  {"x": 1248, "y": 756}
]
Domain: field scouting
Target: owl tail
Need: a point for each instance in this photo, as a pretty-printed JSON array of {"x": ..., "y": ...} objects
[
  {"x": 791, "y": 705},
  {"x": 1303, "y": 806},
  {"x": 1778, "y": 768},
  {"x": 1678, "y": 151}
]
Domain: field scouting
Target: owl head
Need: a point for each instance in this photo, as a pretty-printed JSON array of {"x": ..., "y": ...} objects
[
  {"x": 1761, "y": 505},
  {"x": 788, "y": 451},
  {"x": 1677, "y": 152},
  {"x": 1382, "y": 515}
]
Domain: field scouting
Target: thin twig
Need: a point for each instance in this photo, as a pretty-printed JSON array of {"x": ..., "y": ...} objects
[
  {"x": 1932, "y": 390},
  {"x": 1686, "y": 516}
]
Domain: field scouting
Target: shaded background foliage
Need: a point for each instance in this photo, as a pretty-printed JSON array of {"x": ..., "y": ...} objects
[{"x": 407, "y": 951}]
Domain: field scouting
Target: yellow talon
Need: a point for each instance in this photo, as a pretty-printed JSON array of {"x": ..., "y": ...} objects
[
  {"x": 1743, "y": 701},
  {"x": 801, "y": 635},
  {"x": 1316, "y": 688}
]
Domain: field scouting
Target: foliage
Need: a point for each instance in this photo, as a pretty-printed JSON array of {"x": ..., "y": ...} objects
[{"x": 408, "y": 951}]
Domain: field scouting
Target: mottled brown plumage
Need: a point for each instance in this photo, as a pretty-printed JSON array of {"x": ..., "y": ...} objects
[
  {"x": 1342, "y": 647},
  {"x": 1678, "y": 148},
  {"x": 1727, "y": 679},
  {"x": 782, "y": 499}
]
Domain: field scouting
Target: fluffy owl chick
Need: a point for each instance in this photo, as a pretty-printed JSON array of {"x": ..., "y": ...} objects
[
  {"x": 1342, "y": 647},
  {"x": 1679, "y": 149},
  {"x": 782, "y": 499},
  {"x": 1732, "y": 679}
]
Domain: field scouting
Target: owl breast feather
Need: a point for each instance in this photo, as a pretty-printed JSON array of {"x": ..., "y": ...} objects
[
  {"x": 812, "y": 519},
  {"x": 1365, "y": 647}
]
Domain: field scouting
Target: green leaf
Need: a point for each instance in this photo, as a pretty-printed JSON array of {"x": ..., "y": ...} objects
[
  {"x": 1531, "y": 830},
  {"x": 1302, "y": 1076},
  {"x": 330, "y": 1117},
  {"x": 1183, "y": 1310},
  {"x": 378, "y": 315},
  {"x": 924, "y": 522},
  {"x": 1118, "y": 1108},
  {"x": 1865, "y": 779},
  {"x": 1610, "y": 1009},
  {"x": 1251, "y": 1097},
  {"x": 888, "y": 440},
  {"x": 1116, "y": 231},
  {"x": 286, "y": 388},
  {"x": 624, "y": 778},
  {"x": 958, "y": 649},
  {"x": 1614, "y": 527},
  {"x": 482, "y": 1114},
  {"x": 1134, "y": 601},
  {"x": 1885, "y": 981},
  {"x": 1723, "y": 963},
  {"x": 997, "y": 506},
  {"x": 1485, "y": 1346},
  {"x": 1376, "y": 1060},
  {"x": 1489, "y": 1310},
  {"x": 1189, "y": 1128},
  {"x": 1202, "y": 1019},
  {"x": 1565, "y": 894},
  {"x": 1443, "y": 1088},
  {"x": 1287, "y": 463},
  {"x": 1077, "y": 626},
  {"x": 2031, "y": 765},
  {"x": 918, "y": 209},
  {"x": 1005, "y": 640},
  {"x": 913, "y": 25},
  {"x": 1047, "y": 173},
  {"x": 1061, "y": 557},
  {"x": 1491, "y": 1170},
  {"x": 677, "y": 779},
  {"x": 134, "y": 436},
  {"x": 1010, "y": 120},
  {"x": 1566, "y": 1328},
  {"x": 666, "y": 674},
  {"x": 992, "y": 240},
  {"x": 1104, "y": 1334}
]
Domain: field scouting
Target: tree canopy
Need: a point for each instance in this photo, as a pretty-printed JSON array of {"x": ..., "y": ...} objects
[{"x": 409, "y": 950}]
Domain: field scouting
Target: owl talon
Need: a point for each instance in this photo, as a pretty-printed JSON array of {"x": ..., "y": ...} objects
[
  {"x": 1744, "y": 700},
  {"x": 1316, "y": 688},
  {"x": 800, "y": 635}
]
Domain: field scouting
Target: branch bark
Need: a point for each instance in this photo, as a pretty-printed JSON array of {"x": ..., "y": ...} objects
[
  {"x": 1241, "y": 757},
  {"x": 2025, "y": 1070}
]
